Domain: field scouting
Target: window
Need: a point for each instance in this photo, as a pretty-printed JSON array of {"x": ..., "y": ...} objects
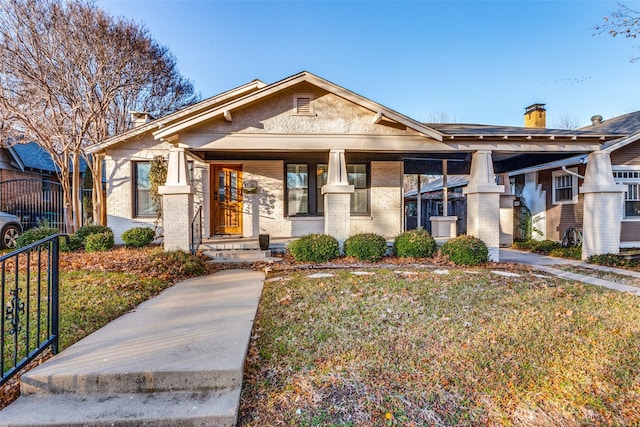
[
  {"x": 302, "y": 105},
  {"x": 301, "y": 179},
  {"x": 143, "y": 205},
  {"x": 632, "y": 196},
  {"x": 357, "y": 175},
  {"x": 565, "y": 188}
]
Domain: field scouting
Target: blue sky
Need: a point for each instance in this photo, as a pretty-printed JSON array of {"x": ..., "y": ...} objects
[{"x": 469, "y": 61}]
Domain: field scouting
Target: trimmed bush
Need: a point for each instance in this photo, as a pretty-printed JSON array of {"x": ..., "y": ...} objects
[
  {"x": 466, "y": 250},
  {"x": 178, "y": 263},
  {"x": 73, "y": 244},
  {"x": 572, "y": 252},
  {"x": 88, "y": 230},
  {"x": 315, "y": 248},
  {"x": 138, "y": 237},
  {"x": 34, "y": 234},
  {"x": 99, "y": 242},
  {"x": 415, "y": 243},
  {"x": 545, "y": 247},
  {"x": 366, "y": 246}
]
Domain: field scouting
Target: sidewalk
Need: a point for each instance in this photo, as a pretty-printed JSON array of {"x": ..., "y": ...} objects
[
  {"x": 177, "y": 359},
  {"x": 544, "y": 263}
]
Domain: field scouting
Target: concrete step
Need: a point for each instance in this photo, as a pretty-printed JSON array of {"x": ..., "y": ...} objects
[
  {"x": 177, "y": 409},
  {"x": 240, "y": 256}
]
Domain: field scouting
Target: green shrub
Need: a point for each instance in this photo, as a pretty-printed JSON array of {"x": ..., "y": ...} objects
[
  {"x": 366, "y": 246},
  {"x": 315, "y": 248},
  {"x": 138, "y": 237},
  {"x": 73, "y": 243},
  {"x": 415, "y": 243},
  {"x": 34, "y": 234},
  {"x": 178, "y": 263},
  {"x": 611, "y": 260},
  {"x": 466, "y": 250},
  {"x": 545, "y": 247},
  {"x": 572, "y": 252},
  {"x": 88, "y": 230},
  {"x": 99, "y": 242}
]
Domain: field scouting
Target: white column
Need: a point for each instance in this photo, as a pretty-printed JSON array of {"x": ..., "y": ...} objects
[
  {"x": 483, "y": 203},
  {"x": 603, "y": 204},
  {"x": 337, "y": 198},
  {"x": 177, "y": 202}
]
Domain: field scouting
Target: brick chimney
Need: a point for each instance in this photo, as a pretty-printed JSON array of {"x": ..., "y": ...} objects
[
  {"x": 140, "y": 118},
  {"x": 535, "y": 116}
]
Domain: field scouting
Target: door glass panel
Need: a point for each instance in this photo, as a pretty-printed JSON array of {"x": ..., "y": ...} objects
[
  {"x": 233, "y": 186},
  {"x": 221, "y": 187}
]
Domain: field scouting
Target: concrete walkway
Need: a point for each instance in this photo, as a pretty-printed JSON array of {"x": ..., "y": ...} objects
[
  {"x": 176, "y": 360},
  {"x": 545, "y": 263}
]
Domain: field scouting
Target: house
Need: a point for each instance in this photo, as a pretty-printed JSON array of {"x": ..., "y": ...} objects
[
  {"x": 304, "y": 155},
  {"x": 551, "y": 190}
]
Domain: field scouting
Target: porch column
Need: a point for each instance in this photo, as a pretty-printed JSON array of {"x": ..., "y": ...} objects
[
  {"x": 177, "y": 202},
  {"x": 483, "y": 203},
  {"x": 337, "y": 198},
  {"x": 603, "y": 204}
]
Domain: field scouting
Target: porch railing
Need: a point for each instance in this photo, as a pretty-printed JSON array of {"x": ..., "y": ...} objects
[
  {"x": 30, "y": 301},
  {"x": 196, "y": 231}
]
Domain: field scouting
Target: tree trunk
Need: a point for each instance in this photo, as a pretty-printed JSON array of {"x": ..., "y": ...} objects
[{"x": 75, "y": 191}]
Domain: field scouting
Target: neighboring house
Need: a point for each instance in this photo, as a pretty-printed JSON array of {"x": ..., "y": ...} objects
[
  {"x": 29, "y": 185},
  {"x": 432, "y": 203},
  {"x": 304, "y": 155},
  {"x": 551, "y": 190}
]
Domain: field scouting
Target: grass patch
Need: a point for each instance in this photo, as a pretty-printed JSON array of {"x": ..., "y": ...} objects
[{"x": 465, "y": 348}]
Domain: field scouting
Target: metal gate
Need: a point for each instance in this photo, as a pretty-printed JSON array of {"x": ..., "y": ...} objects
[{"x": 34, "y": 201}]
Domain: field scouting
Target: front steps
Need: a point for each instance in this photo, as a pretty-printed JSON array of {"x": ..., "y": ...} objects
[
  {"x": 241, "y": 251},
  {"x": 176, "y": 360}
]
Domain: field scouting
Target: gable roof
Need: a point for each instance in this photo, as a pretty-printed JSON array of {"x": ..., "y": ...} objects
[
  {"x": 206, "y": 104},
  {"x": 31, "y": 156}
]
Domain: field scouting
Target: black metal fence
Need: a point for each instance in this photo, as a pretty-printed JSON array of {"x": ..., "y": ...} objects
[
  {"x": 34, "y": 201},
  {"x": 196, "y": 231},
  {"x": 30, "y": 301}
]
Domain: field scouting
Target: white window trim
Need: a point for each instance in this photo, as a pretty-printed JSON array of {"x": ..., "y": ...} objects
[
  {"x": 296, "y": 97},
  {"x": 574, "y": 187},
  {"x": 626, "y": 182}
]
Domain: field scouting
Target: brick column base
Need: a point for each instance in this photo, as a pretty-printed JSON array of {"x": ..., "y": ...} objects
[
  {"x": 177, "y": 213},
  {"x": 483, "y": 220},
  {"x": 337, "y": 215}
]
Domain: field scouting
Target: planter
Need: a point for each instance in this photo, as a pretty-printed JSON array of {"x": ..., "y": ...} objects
[{"x": 263, "y": 241}]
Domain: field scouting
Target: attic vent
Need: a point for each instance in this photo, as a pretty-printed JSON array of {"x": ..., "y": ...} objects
[{"x": 302, "y": 105}]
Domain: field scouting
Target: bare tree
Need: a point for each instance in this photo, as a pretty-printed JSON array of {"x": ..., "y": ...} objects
[
  {"x": 624, "y": 22},
  {"x": 565, "y": 121},
  {"x": 70, "y": 74}
]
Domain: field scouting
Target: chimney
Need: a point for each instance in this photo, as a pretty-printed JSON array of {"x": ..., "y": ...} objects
[
  {"x": 139, "y": 118},
  {"x": 596, "y": 120},
  {"x": 535, "y": 116}
]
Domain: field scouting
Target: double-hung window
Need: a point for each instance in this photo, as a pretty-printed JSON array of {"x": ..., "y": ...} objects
[
  {"x": 565, "y": 187},
  {"x": 631, "y": 179},
  {"x": 143, "y": 205},
  {"x": 304, "y": 182}
]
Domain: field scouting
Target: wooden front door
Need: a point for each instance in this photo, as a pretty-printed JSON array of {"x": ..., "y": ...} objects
[{"x": 226, "y": 204}]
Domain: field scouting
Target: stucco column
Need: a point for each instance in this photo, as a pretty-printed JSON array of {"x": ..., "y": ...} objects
[
  {"x": 483, "y": 203},
  {"x": 603, "y": 204},
  {"x": 337, "y": 198},
  {"x": 177, "y": 202}
]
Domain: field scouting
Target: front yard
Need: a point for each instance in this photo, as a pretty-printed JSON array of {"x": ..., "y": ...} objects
[{"x": 446, "y": 346}]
